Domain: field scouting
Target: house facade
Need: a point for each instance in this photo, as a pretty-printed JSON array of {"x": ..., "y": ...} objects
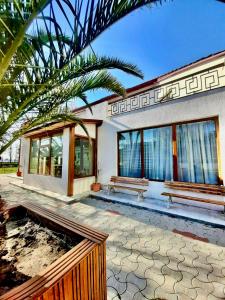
[{"x": 169, "y": 128}]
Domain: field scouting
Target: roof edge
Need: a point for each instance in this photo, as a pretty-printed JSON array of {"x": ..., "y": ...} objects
[{"x": 155, "y": 80}]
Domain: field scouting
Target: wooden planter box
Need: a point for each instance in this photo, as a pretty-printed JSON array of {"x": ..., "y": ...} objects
[{"x": 80, "y": 274}]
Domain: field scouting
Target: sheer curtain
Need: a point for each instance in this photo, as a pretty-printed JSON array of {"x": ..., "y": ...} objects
[
  {"x": 197, "y": 154},
  {"x": 158, "y": 153},
  {"x": 130, "y": 154}
]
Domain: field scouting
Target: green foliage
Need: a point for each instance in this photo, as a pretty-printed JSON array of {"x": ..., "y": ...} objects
[
  {"x": 8, "y": 170},
  {"x": 41, "y": 68}
]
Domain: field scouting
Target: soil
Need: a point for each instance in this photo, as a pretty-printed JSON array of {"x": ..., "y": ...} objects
[{"x": 26, "y": 248}]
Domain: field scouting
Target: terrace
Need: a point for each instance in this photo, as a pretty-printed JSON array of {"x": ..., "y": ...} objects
[{"x": 149, "y": 255}]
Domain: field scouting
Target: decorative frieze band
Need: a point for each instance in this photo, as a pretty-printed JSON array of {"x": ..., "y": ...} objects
[{"x": 198, "y": 82}]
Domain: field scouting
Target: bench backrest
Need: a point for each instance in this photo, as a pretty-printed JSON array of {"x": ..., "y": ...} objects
[
  {"x": 196, "y": 187},
  {"x": 130, "y": 180}
]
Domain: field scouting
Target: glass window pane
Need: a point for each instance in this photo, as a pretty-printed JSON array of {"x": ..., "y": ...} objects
[
  {"x": 56, "y": 156},
  {"x": 197, "y": 152},
  {"x": 44, "y": 158},
  {"x": 83, "y": 157},
  {"x": 34, "y": 156},
  {"x": 130, "y": 154},
  {"x": 158, "y": 153}
]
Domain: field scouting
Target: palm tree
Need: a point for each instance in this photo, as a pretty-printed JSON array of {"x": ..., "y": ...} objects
[{"x": 41, "y": 68}]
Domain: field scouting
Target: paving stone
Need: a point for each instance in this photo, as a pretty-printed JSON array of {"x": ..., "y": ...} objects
[
  {"x": 182, "y": 291},
  {"x": 149, "y": 291},
  {"x": 159, "y": 293},
  {"x": 144, "y": 260},
  {"x": 111, "y": 293},
  {"x": 120, "y": 287},
  {"x": 219, "y": 289},
  {"x": 138, "y": 296},
  {"x": 176, "y": 275},
  {"x": 141, "y": 283},
  {"x": 211, "y": 297},
  {"x": 131, "y": 290},
  {"x": 173, "y": 263},
  {"x": 134, "y": 256},
  {"x": 157, "y": 277},
  {"x": 217, "y": 271},
  {"x": 109, "y": 273},
  {"x": 213, "y": 278},
  {"x": 183, "y": 297},
  {"x": 203, "y": 289}
]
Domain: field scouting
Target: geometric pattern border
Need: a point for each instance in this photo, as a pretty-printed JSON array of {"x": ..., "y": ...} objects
[{"x": 195, "y": 83}]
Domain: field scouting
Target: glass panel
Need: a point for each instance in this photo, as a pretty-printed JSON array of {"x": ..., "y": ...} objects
[
  {"x": 56, "y": 156},
  {"x": 158, "y": 153},
  {"x": 83, "y": 157},
  {"x": 197, "y": 153},
  {"x": 44, "y": 158},
  {"x": 130, "y": 154},
  {"x": 34, "y": 156}
]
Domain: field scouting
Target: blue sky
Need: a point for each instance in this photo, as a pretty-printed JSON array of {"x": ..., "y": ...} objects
[{"x": 163, "y": 38}]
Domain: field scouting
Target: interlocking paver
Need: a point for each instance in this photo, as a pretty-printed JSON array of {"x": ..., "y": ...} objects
[
  {"x": 138, "y": 281},
  {"x": 219, "y": 290},
  {"x": 182, "y": 291},
  {"x": 120, "y": 287},
  {"x": 145, "y": 261},
  {"x": 149, "y": 291}
]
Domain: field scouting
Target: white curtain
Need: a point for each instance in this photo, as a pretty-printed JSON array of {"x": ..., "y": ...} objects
[
  {"x": 197, "y": 155},
  {"x": 158, "y": 153},
  {"x": 130, "y": 154}
]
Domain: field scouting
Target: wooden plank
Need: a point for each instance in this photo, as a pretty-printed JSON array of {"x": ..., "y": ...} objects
[
  {"x": 71, "y": 161},
  {"x": 74, "y": 286},
  {"x": 86, "y": 231},
  {"x": 130, "y": 180},
  {"x": 127, "y": 188},
  {"x": 195, "y": 190},
  {"x": 194, "y": 198},
  {"x": 68, "y": 285},
  {"x": 61, "y": 293},
  {"x": 198, "y": 185},
  {"x": 56, "y": 291},
  {"x": 49, "y": 294},
  {"x": 97, "y": 275}
]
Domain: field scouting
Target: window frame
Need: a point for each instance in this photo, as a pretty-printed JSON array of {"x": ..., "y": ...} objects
[
  {"x": 93, "y": 157},
  {"x": 39, "y": 137},
  {"x": 174, "y": 146}
]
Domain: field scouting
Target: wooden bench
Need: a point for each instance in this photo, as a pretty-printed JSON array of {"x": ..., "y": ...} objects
[
  {"x": 117, "y": 180},
  {"x": 195, "y": 188}
]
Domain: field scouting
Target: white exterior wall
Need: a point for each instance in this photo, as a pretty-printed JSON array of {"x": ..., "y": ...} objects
[
  {"x": 90, "y": 129},
  {"x": 81, "y": 186},
  {"x": 50, "y": 183},
  {"x": 203, "y": 105}
]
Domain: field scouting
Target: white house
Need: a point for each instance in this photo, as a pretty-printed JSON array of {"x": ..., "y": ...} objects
[{"x": 169, "y": 128}]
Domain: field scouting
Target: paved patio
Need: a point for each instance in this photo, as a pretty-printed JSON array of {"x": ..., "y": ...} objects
[{"x": 144, "y": 261}]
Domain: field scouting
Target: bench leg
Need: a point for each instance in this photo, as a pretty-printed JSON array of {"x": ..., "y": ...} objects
[
  {"x": 140, "y": 197},
  {"x": 110, "y": 189},
  {"x": 169, "y": 202}
]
